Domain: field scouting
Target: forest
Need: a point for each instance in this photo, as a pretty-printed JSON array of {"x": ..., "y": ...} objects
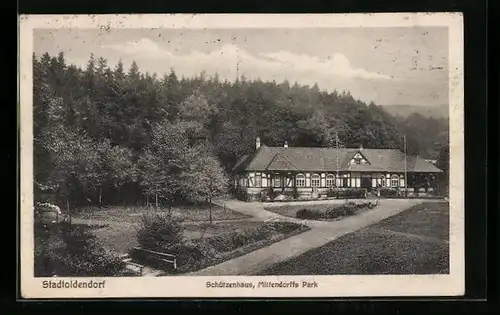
[{"x": 109, "y": 135}]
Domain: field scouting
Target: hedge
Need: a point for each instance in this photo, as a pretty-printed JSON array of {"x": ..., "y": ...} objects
[
  {"x": 158, "y": 231},
  {"x": 388, "y": 192},
  {"x": 71, "y": 250},
  {"x": 340, "y": 193},
  {"x": 199, "y": 253},
  {"x": 333, "y": 211}
]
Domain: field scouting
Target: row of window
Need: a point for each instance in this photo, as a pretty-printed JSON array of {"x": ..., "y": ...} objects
[{"x": 330, "y": 181}]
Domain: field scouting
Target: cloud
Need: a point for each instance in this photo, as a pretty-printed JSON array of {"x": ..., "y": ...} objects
[
  {"x": 279, "y": 65},
  {"x": 142, "y": 47},
  {"x": 337, "y": 65}
]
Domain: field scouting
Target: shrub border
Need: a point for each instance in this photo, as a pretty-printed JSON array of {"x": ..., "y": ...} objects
[
  {"x": 322, "y": 220},
  {"x": 241, "y": 251}
]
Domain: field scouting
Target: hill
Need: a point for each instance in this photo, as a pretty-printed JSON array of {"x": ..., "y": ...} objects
[{"x": 435, "y": 111}]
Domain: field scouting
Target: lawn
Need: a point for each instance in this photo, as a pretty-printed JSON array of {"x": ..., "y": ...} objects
[
  {"x": 185, "y": 213},
  {"x": 228, "y": 236},
  {"x": 116, "y": 227},
  {"x": 412, "y": 242},
  {"x": 197, "y": 230}
]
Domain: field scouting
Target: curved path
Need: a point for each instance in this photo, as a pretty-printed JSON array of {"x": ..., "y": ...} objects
[{"x": 321, "y": 233}]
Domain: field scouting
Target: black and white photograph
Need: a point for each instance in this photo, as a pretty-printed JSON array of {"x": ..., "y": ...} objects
[{"x": 242, "y": 155}]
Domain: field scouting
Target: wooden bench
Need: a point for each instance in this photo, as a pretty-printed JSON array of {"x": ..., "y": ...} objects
[
  {"x": 157, "y": 256},
  {"x": 128, "y": 261}
]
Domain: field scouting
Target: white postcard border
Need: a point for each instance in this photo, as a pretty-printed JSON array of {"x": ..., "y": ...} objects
[{"x": 452, "y": 284}]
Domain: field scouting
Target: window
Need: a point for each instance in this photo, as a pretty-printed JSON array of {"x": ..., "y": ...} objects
[
  {"x": 264, "y": 180},
  {"x": 355, "y": 180},
  {"x": 315, "y": 180},
  {"x": 258, "y": 180},
  {"x": 277, "y": 181},
  {"x": 394, "y": 181},
  {"x": 300, "y": 180},
  {"x": 346, "y": 181},
  {"x": 330, "y": 180},
  {"x": 340, "y": 182},
  {"x": 357, "y": 159}
]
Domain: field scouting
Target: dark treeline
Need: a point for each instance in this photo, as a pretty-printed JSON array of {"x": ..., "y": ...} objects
[{"x": 110, "y": 135}]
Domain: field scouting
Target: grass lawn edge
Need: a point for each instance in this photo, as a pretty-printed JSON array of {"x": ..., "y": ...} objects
[{"x": 242, "y": 251}]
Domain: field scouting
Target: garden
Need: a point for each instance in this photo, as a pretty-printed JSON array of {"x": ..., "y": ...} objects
[
  {"x": 217, "y": 243},
  {"x": 323, "y": 211},
  {"x": 95, "y": 243}
]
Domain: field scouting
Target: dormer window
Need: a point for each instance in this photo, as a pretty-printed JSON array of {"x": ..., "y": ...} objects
[{"x": 357, "y": 159}]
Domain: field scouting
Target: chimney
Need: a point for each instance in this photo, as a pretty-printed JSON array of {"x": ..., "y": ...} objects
[
  {"x": 257, "y": 143},
  {"x": 286, "y": 144}
]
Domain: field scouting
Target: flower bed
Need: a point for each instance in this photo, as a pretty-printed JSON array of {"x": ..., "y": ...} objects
[
  {"x": 340, "y": 193},
  {"x": 198, "y": 254},
  {"x": 412, "y": 194},
  {"x": 333, "y": 212}
]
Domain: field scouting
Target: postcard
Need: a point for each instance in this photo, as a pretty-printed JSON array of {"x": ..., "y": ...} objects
[{"x": 241, "y": 155}]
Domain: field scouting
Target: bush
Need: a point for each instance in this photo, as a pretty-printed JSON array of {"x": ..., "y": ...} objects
[
  {"x": 263, "y": 196},
  {"x": 388, "y": 192},
  {"x": 159, "y": 231},
  {"x": 199, "y": 253},
  {"x": 340, "y": 193},
  {"x": 309, "y": 214},
  {"x": 71, "y": 250},
  {"x": 333, "y": 212},
  {"x": 271, "y": 194},
  {"x": 344, "y": 210},
  {"x": 283, "y": 227}
]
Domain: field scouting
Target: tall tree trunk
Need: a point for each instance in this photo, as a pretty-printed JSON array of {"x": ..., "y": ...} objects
[
  {"x": 210, "y": 209},
  {"x": 156, "y": 198},
  {"x": 68, "y": 210},
  {"x": 120, "y": 196}
]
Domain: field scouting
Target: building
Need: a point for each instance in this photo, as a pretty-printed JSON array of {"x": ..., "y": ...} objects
[{"x": 311, "y": 172}]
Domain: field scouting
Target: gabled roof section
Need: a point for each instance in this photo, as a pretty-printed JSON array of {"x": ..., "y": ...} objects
[
  {"x": 419, "y": 164},
  {"x": 360, "y": 152},
  {"x": 281, "y": 163},
  {"x": 330, "y": 159},
  {"x": 241, "y": 162}
]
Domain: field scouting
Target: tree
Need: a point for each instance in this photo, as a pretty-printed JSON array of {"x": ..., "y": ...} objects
[
  {"x": 74, "y": 161},
  {"x": 115, "y": 167},
  {"x": 443, "y": 162},
  {"x": 204, "y": 178},
  {"x": 315, "y": 130},
  {"x": 444, "y": 157},
  {"x": 196, "y": 107},
  {"x": 166, "y": 157},
  {"x": 115, "y": 129},
  {"x": 177, "y": 166}
]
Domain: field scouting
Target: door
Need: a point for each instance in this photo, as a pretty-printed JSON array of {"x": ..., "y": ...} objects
[{"x": 366, "y": 182}]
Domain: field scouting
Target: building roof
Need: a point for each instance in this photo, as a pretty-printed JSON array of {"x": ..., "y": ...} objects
[{"x": 330, "y": 159}]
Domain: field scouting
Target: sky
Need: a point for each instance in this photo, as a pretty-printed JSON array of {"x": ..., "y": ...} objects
[{"x": 397, "y": 65}]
